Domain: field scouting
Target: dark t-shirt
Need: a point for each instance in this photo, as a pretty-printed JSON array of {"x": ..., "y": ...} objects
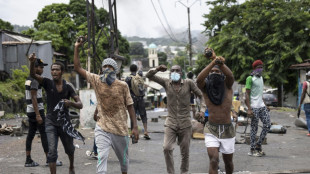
[{"x": 54, "y": 97}]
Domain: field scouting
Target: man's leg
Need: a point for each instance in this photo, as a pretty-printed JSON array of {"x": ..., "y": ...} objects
[
  {"x": 254, "y": 128},
  {"x": 52, "y": 139},
  {"x": 103, "y": 142},
  {"x": 229, "y": 165},
  {"x": 307, "y": 112},
  {"x": 184, "y": 138},
  {"x": 169, "y": 141},
  {"x": 265, "y": 118},
  {"x": 31, "y": 133},
  {"x": 41, "y": 128},
  {"x": 67, "y": 142},
  {"x": 213, "y": 153},
  {"x": 142, "y": 111},
  {"x": 120, "y": 146}
]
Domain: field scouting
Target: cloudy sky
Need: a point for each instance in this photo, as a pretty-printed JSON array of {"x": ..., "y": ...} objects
[{"x": 135, "y": 17}]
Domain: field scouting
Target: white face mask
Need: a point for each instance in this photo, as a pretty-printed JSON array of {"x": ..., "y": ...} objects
[{"x": 175, "y": 76}]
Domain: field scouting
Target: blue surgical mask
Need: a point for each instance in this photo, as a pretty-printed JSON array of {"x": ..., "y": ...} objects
[{"x": 175, "y": 76}]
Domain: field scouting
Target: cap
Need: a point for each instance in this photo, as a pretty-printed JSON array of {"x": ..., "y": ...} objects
[
  {"x": 110, "y": 61},
  {"x": 39, "y": 62},
  {"x": 256, "y": 63},
  {"x": 308, "y": 73}
]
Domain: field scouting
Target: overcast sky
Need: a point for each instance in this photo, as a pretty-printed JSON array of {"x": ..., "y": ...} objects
[{"x": 135, "y": 17}]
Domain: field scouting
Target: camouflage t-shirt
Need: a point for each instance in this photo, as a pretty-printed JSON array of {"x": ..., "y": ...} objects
[{"x": 112, "y": 104}]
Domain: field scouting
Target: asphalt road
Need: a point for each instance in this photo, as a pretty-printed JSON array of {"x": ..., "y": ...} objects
[{"x": 286, "y": 153}]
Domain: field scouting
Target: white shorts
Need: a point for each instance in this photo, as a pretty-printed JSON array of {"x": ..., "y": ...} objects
[{"x": 226, "y": 146}]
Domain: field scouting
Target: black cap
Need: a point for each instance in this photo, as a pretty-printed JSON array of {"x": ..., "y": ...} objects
[{"x": 39, "y": 62}]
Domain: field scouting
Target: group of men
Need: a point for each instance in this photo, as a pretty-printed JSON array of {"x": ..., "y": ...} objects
[{"x": 116, "y": 97}]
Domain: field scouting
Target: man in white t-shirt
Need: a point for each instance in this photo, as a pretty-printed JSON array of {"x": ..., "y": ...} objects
[{"x": 257, "y": 108}]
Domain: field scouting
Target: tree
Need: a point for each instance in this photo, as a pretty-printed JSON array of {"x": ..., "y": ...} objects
[
  {"x": 162, "y": 58},
  {"x": 62, "y": 23},
  {"x": 136, "y": 48},
  {"x": 275, "y": 31},
  {"x": 6, "y": 25},
  {"x": 181, "y": 61}
]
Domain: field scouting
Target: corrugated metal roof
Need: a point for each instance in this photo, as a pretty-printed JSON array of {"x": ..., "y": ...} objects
[{"x": 19, "y": 38}]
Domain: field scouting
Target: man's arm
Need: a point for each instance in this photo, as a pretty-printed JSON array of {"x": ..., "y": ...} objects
[
  {"x": 76, "y": 104},
  {"x": 96, "y": 114},
  {"x": 35, "y": 106},
  {"x": 203, "y": 75},
  {"x": 76, "y": 60},
  {"x": 32, "y": 59},
  {"x": 247, "y": 101},
  {"x": 132, "y": 115},
  {"x": 303, "y": 95},
  {"x": 151, "y": 75},
  {"x": 198, "y": 94},
  {"x": 229, "y": 75}
]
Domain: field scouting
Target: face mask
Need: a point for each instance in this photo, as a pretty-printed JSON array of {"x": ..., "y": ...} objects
[
  {"x": 215, "y": 88},
  {"x": 108, "y": 76},
  {"x": 175, "y": 76},
  {"x": 257, "y": 72}
]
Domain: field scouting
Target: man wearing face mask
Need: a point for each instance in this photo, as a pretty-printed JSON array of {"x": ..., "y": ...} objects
[
  {"x": 215, "y": 81},
  {"x": 114, "y": 99},
  {"x": 178, "y": 123},
  {"x": 256, "y": 108}
]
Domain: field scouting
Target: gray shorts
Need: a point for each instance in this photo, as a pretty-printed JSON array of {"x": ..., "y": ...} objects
[{"x": 105, "y": 140}]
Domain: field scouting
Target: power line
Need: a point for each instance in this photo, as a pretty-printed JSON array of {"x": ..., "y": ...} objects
[
  {"x": 163, "y": 24},
  {"x": 166, "y": 19}
]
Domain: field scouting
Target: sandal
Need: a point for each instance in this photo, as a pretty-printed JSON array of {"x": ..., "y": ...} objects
[
  {"x": 31, "y": 164},
  {"x": 147, "y": 137}
]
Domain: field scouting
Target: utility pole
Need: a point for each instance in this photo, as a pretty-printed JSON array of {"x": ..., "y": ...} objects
[{"x": 189, "y": 30}]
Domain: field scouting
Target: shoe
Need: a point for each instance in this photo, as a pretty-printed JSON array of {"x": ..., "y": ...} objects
[
  {"x": 147, "y": 137},
  {"x": 255, "y": 153},
  {"x": 58, "y": 163},
  {"x": 261, "y": 152},
  {"x": 252, "y": 151},
  {"x": 31, "y": 163}
]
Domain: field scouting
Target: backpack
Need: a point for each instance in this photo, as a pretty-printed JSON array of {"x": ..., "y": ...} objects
[{"x": 137, "y": 85}]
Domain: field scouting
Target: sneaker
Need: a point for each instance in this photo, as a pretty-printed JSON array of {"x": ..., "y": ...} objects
[
  {"x": 254, "y": 153},
  {"x": 58, "y": 163},
  {"x": 261, "y": 152},
  {"x": 31, "y": 163}
]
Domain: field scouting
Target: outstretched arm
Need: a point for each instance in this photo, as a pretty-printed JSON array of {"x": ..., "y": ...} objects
[
  {"x": 151, "y": 75},
  {"x": 32, "y": 59},
  {"x": 76, "y": 60}
]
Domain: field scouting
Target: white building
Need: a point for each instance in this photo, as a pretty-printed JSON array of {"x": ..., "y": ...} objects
[{"x": 153, "y": 57}]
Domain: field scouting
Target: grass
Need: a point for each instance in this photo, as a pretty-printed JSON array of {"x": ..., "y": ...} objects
[{"x": 10, "y": 90}]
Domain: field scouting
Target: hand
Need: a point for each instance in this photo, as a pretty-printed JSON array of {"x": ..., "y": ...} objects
[
  {"x": 39, "y": 119},
  {"x": 219, "y": 60},
  {"x": 95, "y": 117},
  {"x": 80, "y": 41},
  {"x": 200, "y": 117},
  {"x": 135, "y": 132},
  {"x": 213, "y": 53},
  {"x": 250, "y": 113},
  {"x": 32, "y": 57},
  {"x": 67, "y": 103},
  {"x": 161, "y": 68}
]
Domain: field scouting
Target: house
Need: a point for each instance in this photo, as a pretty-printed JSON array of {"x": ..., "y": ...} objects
[{"x": 13, "y": 50}]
